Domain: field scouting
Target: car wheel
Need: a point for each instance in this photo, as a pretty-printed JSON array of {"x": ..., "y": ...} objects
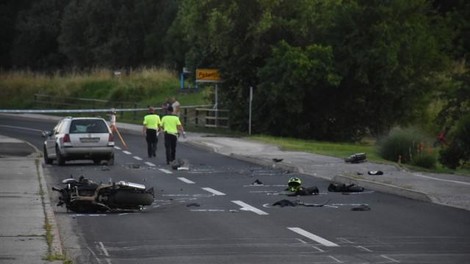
[
  {"x": 60, "y": 157},
  {"x": 47, "y": 160}
]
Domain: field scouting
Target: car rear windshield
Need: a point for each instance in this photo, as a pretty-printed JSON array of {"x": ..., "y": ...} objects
[{"x": 88, "y": 126}]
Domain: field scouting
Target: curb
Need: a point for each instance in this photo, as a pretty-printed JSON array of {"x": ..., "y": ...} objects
[{"x": 56, "y": 244}]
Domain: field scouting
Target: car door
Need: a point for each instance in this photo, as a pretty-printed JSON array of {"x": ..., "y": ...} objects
[{"x": 52, "y": 139}]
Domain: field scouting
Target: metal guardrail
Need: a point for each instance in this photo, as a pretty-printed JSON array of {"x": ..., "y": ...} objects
[{"x": 197, "y": 116}]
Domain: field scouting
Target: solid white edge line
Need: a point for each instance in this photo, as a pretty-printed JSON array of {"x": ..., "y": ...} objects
[
  {"x": 313, "y": 237},
  {"x": 183, "y": 179},
  {"x": 248, "y": 207},
  {"x": 215, "y": 192},
  {"x": 165, "y": 171}
]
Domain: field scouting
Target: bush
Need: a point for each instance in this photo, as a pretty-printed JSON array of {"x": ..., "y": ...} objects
[
  {"x": 425, "y": 160},
  {"x": 458, "y": 152},
  {"x": 409, "y": 146}
]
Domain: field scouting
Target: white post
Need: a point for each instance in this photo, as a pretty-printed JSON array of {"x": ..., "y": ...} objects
[{"x": 249, "y": 118}]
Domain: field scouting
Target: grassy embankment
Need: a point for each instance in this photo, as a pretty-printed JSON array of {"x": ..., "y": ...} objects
[{"x": 140, "y": 88}]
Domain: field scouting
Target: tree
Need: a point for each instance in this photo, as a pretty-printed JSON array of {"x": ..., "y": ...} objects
[
  {"x": 116, "y": 33},
  {"x": 36, "y": 45}
]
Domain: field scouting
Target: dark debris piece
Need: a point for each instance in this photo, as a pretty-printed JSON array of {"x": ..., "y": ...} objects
[
  {"x": 257, "y": 182},
  {"x": 341, "y": 187},
  {"x": 284, "y": 203},
  {"x": 356, "y": 158},
  {"x": 361, "y": 207}
]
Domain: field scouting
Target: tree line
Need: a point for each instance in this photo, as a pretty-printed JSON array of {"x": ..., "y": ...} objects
[{"x": 320, "y": 69}]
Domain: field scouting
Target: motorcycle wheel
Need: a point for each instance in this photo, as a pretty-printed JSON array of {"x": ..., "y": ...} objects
[{"x": 132, "y": 199}]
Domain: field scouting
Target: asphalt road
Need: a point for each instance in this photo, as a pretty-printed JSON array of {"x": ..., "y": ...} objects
[{"x": 213, "y": 213}]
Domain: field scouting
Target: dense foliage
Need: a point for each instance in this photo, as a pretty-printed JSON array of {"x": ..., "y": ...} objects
[{"x": 320, "y": 69}]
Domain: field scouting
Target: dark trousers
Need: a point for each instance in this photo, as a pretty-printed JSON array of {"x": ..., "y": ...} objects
[
  {"x": 170, "y": 147},
  {"x": 152, "y": 140}
]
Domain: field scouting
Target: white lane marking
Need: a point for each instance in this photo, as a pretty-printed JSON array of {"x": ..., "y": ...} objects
[
  {"x": 127, "y": 152},
  {"x": 94, "y": 255},
  {"x": 389, "y": 258},
  {"x": 313, "y": 237},
  {"x": 183, "y": 179},
  {"x": 137, "y": 158},
  {"x": 344, "y": 240},
  {"x": 106, "y": 253},
  {"x": 437, "y": 179},
  {"x": 165, "y": 171},
  {"x": 215, "y": 192},
  {"x": 207, "y": 210},
  {"x": 150, "y": 164},
  {"x": 364, "y": 248},
  {"x": 319, "y": 249},
  {"x": 335, "y": 259},
  {"x": 116, "y": 147},
  {"x": 247, "y": 207},
  {"x": 23, "y": 128}
]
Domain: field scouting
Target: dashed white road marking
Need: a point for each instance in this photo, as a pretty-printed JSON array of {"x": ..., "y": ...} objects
[
  {"x": 389, "y": 258},
  {"x": 364, "y": 248},
  {"x": 215, "y": 192},
  {"x": 116, "y": 147},
  {"x": 335, "y": 259},
  {"x": 165, "y": 171},
  {"x": 127, "y": 152},
  {"x": 313, "y": 237},
  {"x": 137, "y": 158},
  {"x": 106, "y": 253},
  {"x": 150, "y": 164},
  {"x": 247, "y": 207},
  {"x": 183, "y": 179}
]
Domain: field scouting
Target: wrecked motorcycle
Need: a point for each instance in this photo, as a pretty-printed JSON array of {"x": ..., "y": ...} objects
[{"x": 86, "y": 196}]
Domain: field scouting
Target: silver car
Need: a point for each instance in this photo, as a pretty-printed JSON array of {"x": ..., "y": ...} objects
[{"x": 79, "y": 138}]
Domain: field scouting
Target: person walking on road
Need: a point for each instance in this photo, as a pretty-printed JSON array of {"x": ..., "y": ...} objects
[
  {"x": 176, "y": 106},
  {"x": 150, "y": 130},
  {"x": 172, "y": 126}
]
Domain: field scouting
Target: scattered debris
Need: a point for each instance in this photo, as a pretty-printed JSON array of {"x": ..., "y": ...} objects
[
  {"x": 284, "y": 202},
  {"x": 375, "y": 172},
  {"x": 362, "y": 207},
  {"x": 179, "y": 163},
  {"x": 305, "y": 191},
  {"x": 257, "y": 182},
  {"x": 277, "y": 160},
  {"x": 356, "y": 158},
  {"x": 341, "y": 187}
]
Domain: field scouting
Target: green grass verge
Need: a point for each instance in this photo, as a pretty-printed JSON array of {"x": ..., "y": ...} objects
[{"x": 339, "y": 150}]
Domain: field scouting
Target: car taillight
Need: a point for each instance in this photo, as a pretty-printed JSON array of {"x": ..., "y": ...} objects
[
  {"x": 66, "y": 138},
  {"x": 111, "y": 137}
]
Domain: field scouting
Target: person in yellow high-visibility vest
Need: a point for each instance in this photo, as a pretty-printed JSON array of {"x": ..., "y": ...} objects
[
  {"x": 150, "y": 129},
  {"x": 172, "y": 127}
]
